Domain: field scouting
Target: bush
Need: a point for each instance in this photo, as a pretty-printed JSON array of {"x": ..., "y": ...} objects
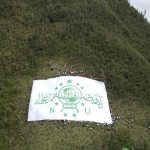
[{"x": 119, "y": 139}]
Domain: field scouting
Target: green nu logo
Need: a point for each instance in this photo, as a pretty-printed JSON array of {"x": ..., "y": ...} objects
[{"x": 70, "y": 96}]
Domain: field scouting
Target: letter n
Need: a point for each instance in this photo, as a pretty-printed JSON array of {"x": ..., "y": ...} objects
[
  {"x": 52, "y": 110},
  {"x": 88, "y": 111}
]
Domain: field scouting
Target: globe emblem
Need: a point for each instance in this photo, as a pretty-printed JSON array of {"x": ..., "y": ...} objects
[{"x": 70, "y": 94}]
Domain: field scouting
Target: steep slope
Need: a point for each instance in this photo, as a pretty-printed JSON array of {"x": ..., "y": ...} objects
[{"x": 109, "y": 39}]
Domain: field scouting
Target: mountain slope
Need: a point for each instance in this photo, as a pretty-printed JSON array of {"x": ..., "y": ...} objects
[{"x": 108, "y": 39}]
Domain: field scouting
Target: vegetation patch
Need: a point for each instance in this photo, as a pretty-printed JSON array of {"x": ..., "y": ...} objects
[{"x": 109, "y": 40}]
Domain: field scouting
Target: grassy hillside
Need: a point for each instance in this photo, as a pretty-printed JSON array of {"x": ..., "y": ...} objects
[{"x": 108, "y": 39}]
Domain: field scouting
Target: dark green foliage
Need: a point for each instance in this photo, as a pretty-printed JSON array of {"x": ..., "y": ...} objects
[
  {"x": 6, "y": 8},
  {"x": 119, "y": 139},
  {"x": 109, "y": 39},
  {"x": 141, "y": 145}
]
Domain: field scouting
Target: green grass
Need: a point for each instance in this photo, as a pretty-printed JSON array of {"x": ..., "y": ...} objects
[
  {"x": 55, "y": 135},
  {"x": 109, "y": 40}
]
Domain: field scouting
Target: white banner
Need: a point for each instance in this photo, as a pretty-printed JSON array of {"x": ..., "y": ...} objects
[{"x": 71, "y": 98}]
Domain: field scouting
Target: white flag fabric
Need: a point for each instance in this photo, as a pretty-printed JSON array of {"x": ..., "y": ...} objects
[{"x": 69, "y": 98}]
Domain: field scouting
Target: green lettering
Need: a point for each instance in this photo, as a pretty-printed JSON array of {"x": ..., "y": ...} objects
[
  {"x": 42, "y": 98},
  {"x": 52, "y": 110}
]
